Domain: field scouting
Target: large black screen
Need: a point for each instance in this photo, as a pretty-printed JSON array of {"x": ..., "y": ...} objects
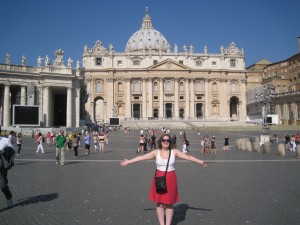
[
  {"x": 25, "y": 115},
  {"x": 114, "y": 121}
]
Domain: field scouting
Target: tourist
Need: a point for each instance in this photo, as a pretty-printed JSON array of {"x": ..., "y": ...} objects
[
  {"x": 19, "y": 143},
  {"x": 40, "y": 141},
  {"x": 61, "y": 141},
  {"x": 226, "y": 143},
  {"x": 164, "y": 202}
]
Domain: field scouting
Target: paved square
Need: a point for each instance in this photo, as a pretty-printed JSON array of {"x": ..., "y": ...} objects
[{"x": 236, "y": 188}]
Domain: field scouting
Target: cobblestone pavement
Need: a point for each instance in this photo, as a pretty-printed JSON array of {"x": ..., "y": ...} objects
[{"x": 236, "y": 188}]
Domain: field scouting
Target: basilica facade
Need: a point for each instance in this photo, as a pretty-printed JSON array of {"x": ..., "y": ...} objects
[{"x": 150, "y": 80}]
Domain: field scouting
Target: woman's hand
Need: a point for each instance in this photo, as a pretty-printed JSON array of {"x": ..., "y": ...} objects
[{"x": 124, "y": 162}]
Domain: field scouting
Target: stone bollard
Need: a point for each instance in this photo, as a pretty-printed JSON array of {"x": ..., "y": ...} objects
[
  {"x": 256, "y": 146},
  {"x": 298, "y": 151},
  {"x": 281, "y": 149},
  {"x": 248, "y": 146},
  {"x": 237, "y": 142},
  {"x": 266, "y": 147},
  {"x": 243, "y": 144}
]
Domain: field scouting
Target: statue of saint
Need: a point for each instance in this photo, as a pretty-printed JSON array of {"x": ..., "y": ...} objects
[
  {"x": 77, "y": 65},
  {"x": 175, "y": 48},
  {"x": 70, "y": 61},
  {"x": 23, "y": 60},
  {"x": 191, "y": 49},
  {"x": 39, "y": 61},
  {"x": 47, "y": 60},
  {"x": 7, "y": 58},
  {"x": 184, "y": 49}
]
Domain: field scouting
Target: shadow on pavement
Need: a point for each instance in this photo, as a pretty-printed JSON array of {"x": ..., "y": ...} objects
[{"x": 33, "y": 200}]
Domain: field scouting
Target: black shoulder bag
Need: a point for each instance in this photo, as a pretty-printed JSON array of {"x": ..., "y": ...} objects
[{"x": 160, "y": 182}]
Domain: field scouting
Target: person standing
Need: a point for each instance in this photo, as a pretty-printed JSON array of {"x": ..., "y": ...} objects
[
  {"x": 226, "y": 143},
  {"x": 19, "y": 143},
  {"x": 101, "y": 141},
  {"x": 87, "y": 142},
  {"x": 164, "y": 202},
  {"x": 40, "y": 142},
  {"x": 213, "y": 146},
  {"x": 5, "y": 145},
  {"x": 60, "y": 148},
  {"x": 76, "y": 141},
  {"x": 153, "y": 141}
]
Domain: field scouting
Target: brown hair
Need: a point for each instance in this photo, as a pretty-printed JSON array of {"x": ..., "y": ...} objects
[{"x": 171, "y": 145}]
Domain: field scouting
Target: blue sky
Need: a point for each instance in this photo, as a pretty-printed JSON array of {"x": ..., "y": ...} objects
[{"x": 263, "y": 28}]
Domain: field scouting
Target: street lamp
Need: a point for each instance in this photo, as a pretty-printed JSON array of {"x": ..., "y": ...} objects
[{"x": 265, "y": 98}]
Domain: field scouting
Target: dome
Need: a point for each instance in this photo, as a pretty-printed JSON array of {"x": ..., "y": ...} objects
[{"x": 147, "y": 38}]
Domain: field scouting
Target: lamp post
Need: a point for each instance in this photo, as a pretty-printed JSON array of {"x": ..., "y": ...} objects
[{"x": 265, "y": 99}]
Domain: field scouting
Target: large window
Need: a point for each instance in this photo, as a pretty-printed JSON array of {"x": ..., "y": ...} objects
[
  {"x": 232, "y": 62},
  {"x": 198, "y": 86},
  {"x": 136, "y": 86},
  {"x": 99, "y": 61},
  {"x": 99, "y": 87},
  {"x": 181, "y": 86},
  {"x": 155, "y": 87},
  {"x": 168, "y": 86}
]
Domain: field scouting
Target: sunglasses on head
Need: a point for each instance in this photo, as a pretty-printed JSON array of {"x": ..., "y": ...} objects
[{"x": 165, "y": 140}]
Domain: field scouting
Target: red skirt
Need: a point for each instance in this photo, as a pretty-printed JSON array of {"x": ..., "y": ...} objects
[{"x": 172, "y": 195}]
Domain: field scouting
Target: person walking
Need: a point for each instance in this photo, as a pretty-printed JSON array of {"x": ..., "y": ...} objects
[
  {"x": 5, "y": 146},
  {"x": 61, "y": 141},
  {"x": 19, "y": 143},
  {"x": 226, "y": 143},
  {"x": 213, "y": 146},
  {"x": 101, "y": 141},
  {"x": 40, "y": 141},
  {"x": 87, "y": 142},
  {"x": 164, "y": 201},
  {"x": 76, "y": 141}
]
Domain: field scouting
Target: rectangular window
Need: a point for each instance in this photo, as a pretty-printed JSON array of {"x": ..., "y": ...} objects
[
  {"x": 232, "y": 62},
  {"x": 155, "y": 97},
  {"x": 198, "y": 63},
  {"x": 136, "y": 97},
  {"x": 136, "y": 62},
  {"x": 120, "y": 63},
  {"x": 154, "y": 62},
  {"x": 98, "y": 61},
  {"x": 214, "y": 63},
  {"x": 181, "y": 97},
  {"x": 181, "y": 62}
]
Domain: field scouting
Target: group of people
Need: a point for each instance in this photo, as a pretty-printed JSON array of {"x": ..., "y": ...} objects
[{"x": 291, "y": 142}]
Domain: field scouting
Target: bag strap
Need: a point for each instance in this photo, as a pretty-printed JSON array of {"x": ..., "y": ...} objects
[{"x": 167, "y": 163}]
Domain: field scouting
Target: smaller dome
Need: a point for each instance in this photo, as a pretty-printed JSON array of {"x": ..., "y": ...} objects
[{"x": 147, "y": 38}]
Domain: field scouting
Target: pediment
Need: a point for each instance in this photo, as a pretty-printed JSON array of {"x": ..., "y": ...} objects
[{"x": 168, "y": 64}]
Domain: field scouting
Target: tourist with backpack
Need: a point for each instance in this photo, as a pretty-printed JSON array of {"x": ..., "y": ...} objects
[{"x": 7, "y": 153}]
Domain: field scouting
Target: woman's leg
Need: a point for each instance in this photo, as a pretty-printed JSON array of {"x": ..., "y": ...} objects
[
  {"x": 160, "y": 213},
  {"x": 169, "y": 214}
]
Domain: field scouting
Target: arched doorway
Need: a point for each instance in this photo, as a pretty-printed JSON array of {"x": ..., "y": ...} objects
[
  {"x": 234, "y": 107},
  {"x": 99, "y": 110}
]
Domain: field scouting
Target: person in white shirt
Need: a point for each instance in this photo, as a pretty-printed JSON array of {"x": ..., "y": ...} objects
[
  {"x": 164, "y": 201},
  {"x": 5, "y": 143}
]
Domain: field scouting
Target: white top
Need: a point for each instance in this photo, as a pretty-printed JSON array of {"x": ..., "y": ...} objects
[
  {"x": 161, "y": 164},
  {"x": 5, "y": 142}
]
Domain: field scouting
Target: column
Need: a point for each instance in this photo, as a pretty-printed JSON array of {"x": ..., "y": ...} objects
[
  {"x": 176, "y": 99},
  {"x": 6, "y": 108},
  {"x": 23, "y": 95},
  {"x": 192, "y": 106},
  {"x": 46, "y": 106},
  {"x": 110, "y": 98},
  {"x": 187, "y": 99},
  {"x": 69, "y": 107},
  {"x": 128, "y": 101},
  {"x": 144, "y": 113},
  {"x": 161, "y": 98},
  {"x": 150, "y": 104},
  {"x": 41, "y": 104},
  {"x": 207, "y": 104},
  {"x": 77, "y": 107}
]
